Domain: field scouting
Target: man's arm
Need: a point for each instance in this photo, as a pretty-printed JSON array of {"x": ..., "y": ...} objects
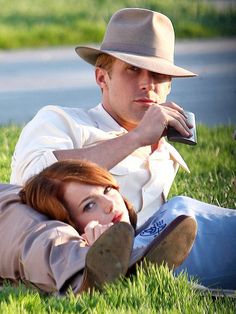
[
  {"x": 149, "y": 131},
  {"x": 54, "y": 134},
  {"x": 107, "y": 153}
]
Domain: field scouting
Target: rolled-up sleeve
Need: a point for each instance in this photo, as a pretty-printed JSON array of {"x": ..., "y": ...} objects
[{"x": 51, "y": 129}]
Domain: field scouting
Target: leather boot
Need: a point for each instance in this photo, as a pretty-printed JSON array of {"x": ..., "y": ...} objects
[
  {"x": 109, "y": 256},
  {"x": 171, "y": 246}
]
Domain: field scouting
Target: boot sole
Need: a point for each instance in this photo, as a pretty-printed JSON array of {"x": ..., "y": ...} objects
[
  {"x": 108, "y": 258},
  {"x": 174, "y": 244}
]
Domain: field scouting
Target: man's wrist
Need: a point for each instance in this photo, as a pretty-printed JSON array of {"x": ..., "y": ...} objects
[{"x": 134, "y": 139}]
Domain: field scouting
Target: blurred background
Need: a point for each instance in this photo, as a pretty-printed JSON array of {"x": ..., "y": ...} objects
[{"x": 38, "y": 64}]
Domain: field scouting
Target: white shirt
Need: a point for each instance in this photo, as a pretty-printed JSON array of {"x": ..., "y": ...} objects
[{"x": 144, "y": 178}]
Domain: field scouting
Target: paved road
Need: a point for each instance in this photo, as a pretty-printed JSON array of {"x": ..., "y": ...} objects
[{"x": 31, "y": 79}]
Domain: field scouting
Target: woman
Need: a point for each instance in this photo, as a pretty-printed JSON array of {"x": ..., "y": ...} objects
[
  {"x": 87, "y": 197},
  {"x": 81, "y": 194}
]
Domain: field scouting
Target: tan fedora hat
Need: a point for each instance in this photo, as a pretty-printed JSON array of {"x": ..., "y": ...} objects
[{"x": 140, "y": 37}]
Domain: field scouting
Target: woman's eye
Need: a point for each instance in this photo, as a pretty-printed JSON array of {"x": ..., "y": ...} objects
[
  {"x": 107, "y": 189},
  {"x": 89, "y": 206}
]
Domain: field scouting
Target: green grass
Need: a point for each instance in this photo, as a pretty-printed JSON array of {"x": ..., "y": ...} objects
[
  {"x": 213, "y": 167},
  {"x": 154, "y": 290},
  {"x": 8, "y": 139},
  {"x": 213, "y": 170},
  {"x": 39, "y": 23}
]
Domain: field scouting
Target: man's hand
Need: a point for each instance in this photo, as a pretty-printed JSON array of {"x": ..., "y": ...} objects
[
  {"x": 93, "y": 230},
  {"x": 156, "y": 120}
]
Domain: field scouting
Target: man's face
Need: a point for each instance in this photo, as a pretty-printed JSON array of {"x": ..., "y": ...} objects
[{"x": 128, "y": 91}]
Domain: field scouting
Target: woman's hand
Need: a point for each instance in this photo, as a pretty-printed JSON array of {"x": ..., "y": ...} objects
[{"x": 93, "y": 230}]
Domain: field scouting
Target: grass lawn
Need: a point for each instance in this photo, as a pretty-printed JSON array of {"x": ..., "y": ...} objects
[
  {"x": 153, "y": 290},
  {"x": 212, "y": 162},
  {"x": 42, "y": 23}
]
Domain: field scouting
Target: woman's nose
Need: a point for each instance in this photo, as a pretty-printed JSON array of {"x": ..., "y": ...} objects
[{"x": 107, "y": 205}]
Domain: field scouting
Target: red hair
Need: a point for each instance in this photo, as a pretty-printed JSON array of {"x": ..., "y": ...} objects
[{"x": 45, "y": 191}]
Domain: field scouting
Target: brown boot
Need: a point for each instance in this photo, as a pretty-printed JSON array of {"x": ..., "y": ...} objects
[
  {"x": 109, "y": 256},
  {"x": 172, "y": 246}
]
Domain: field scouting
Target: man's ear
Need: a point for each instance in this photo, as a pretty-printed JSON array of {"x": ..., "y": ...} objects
[{"x": 101, "y": 77}]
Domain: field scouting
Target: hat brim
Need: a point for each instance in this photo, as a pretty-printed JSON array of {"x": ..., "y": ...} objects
[{"x": 154, "y": 64}]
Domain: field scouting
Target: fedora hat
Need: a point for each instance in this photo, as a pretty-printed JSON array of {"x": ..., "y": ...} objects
[{"x": 140, "y": 37}]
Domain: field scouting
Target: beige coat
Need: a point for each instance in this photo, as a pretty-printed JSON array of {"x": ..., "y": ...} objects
[{"x": 46, "y": 253}]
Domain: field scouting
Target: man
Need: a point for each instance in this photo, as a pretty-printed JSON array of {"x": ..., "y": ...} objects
[{"x": 124, "y": 134}]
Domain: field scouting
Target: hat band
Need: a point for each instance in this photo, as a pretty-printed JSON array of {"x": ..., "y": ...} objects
[{"x": 137, "y": 49}]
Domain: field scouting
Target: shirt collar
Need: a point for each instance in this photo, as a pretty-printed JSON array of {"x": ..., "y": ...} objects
[
  {"x": 175, "y": 155},
  {"x": 104, "y": 121}
]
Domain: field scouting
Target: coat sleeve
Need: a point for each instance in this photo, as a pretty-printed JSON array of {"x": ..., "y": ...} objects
[{"x": 45, "y": 253}]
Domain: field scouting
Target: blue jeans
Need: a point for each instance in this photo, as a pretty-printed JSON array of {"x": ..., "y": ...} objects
[{"x": 212, "y": 260}]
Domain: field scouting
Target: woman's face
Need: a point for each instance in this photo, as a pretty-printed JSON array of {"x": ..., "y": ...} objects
[{"x": 94, "y": 202}]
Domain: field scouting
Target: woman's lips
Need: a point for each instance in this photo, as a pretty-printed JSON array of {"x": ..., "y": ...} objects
[{"x": 117, "y": 218}]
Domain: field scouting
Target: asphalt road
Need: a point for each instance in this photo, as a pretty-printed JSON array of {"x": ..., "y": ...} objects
[{"x": 30, "y": 79}]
